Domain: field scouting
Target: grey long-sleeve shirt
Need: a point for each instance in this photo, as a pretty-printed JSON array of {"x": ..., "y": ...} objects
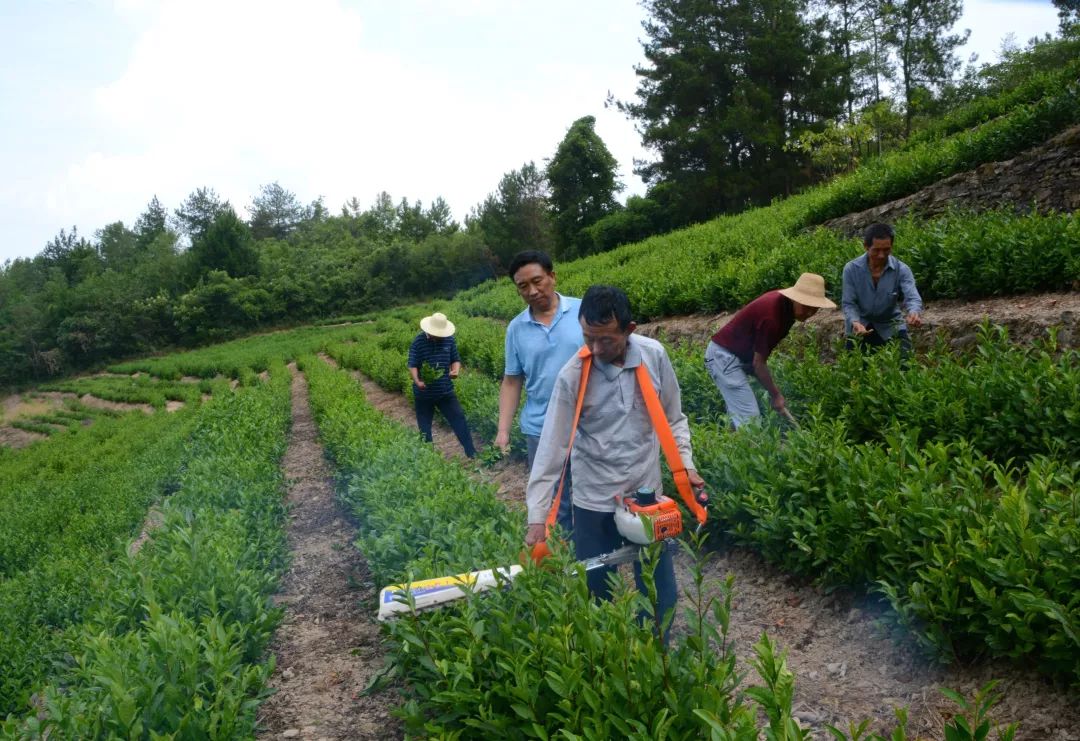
[
  {"x": 878, "y": 307},
  {"x": 616, "y": 449}
]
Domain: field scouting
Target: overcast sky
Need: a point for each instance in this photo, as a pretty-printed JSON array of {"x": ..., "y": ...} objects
[{"x": 105, "y": 103}]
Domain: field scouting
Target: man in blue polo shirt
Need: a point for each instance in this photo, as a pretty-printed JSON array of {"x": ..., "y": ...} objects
[{"x": 539, "y": 341}]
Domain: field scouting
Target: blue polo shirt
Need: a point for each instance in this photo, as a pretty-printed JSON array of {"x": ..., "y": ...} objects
[{"x": 539, "y": 352}]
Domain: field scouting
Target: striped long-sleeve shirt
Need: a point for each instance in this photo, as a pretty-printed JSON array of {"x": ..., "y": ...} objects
[{"x": 438, "y": 353}]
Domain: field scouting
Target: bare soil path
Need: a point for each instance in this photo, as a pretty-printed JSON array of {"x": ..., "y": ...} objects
[
  {"x": 1026, "y": 318},
  {"x": 849, "y": 664},
  {"x": 328, "y": 647}
]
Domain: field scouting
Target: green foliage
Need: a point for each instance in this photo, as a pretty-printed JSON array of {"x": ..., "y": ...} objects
[
  {"x": 126, "y": 389},
  {"x": 231, "y": 359},
  {"x": 516, "y": 217},
  {"x": 724, "y": 88},
  {"x": 428, "y": 374},
  {"x": 169, "y": 645},
  {"x": 583, "y": 180},
  {"x": 906, "y": 461},
  {"x": 66, "y": 510},
  {"x": 1009, "y": 403},
  {"x": 732, "y": 260},
  {"x": 517, "y": 663}
]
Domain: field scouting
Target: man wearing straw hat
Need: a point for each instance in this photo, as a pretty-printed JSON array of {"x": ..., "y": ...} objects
[
  {"x": 433, "y": 364},
  {"x": 743, "y": 345}
]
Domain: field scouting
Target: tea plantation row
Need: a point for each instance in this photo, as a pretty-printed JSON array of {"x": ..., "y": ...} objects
[
  {"x": 168, "y": 643},
  {"x": 951, "y": 488}
]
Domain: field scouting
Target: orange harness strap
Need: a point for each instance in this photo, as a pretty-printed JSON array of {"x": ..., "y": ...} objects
[
  {"x": 663, "y": 431},
  {"x": 668, "y": 444}
]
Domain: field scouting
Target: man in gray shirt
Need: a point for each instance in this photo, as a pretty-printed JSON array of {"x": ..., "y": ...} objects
[
  {"x": 874, "y": 287},
  {"x": 616, "y": 450}
]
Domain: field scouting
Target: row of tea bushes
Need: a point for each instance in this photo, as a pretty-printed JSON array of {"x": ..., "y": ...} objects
[
  {"x": 880, "y": 443},
  {"x": 242, "y": 359},
  {"x": 173, "y": 643},
  {"x": 541, "y": 659},
  {"x": 723, "y": 264},
  {"x": 1007, "y": 401},
  {"x": 133, "y": 390},
  {"x": 518, "y": 663},
  {"x": 978, "y": 556},
  {"x": 66, "y": 507}
]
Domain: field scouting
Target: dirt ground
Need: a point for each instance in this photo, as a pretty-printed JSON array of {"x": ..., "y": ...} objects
[
  {"x": 1026, "y": 317},
  {"x": 16, "y": 406},
  {"x": 328, "y": 648}
]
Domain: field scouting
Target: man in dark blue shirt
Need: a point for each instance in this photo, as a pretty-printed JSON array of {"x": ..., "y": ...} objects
[{"x": 433, "y": 364}]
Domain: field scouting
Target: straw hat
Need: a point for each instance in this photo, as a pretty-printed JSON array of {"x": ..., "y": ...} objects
[
  {"x": 809, "y": 290},
  {"x": 437, "y": 325}
]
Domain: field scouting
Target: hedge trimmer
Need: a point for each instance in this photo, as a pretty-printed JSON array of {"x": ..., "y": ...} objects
[{"x": 430, "y": 594}]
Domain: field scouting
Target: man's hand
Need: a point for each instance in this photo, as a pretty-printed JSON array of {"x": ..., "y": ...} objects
[
  {"x": 537, "y": 533},
  {"x": 779, "y": 403},
  {"x": 420, "y": 384},
  {"x": 698, "y": 485},
  {"x": 914, "y": 319},
  {"x": 453, "y": 374},
  {"x": 502, "y": 441},
  {"x": 860, "y": 329}
]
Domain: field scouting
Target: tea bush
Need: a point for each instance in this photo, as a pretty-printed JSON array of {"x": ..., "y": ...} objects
[
  {"x": 173, "y": 643},
  {"x": 516, "y": 663}
]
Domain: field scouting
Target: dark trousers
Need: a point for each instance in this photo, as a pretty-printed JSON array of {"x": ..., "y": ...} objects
[
  {"x": 565, "y": 517},
  {"x": 595, "y": 533},
  {"x": 455, "y": 417}
]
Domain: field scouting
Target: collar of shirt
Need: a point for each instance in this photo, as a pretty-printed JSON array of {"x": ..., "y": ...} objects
[
  {"x": 632, "y": 360},
  {"x": 563, "y": 308},
  {"x": 891, "y": 264}
]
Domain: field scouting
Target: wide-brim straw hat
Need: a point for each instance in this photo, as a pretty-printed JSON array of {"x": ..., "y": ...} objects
[
  {"x": 437, "y": 325},
  {"x": 809, "y": 290}
]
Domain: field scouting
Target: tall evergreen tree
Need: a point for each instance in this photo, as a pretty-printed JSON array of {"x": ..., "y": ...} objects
[
  {"x": 151, "y": 223},
  {"x": 728, "y": 83},
  {"x": 583, "y": 180},
  {"x": 516, "y": 217},
  {"x": 226, "y": 245},
  {"x": 1068, "y": 15},
  {"x": 918, "y": 32},
  {"x": 275, "y": 212},
  {"x": 198, "y": 212}
]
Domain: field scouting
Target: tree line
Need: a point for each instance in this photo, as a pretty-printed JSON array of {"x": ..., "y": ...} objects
[{"x": 739, "y": 102}]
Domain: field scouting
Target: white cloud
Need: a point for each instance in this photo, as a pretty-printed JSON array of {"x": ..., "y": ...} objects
[
  {"x": 236, "y": 95},
  {"x": 421, "y": 98}
]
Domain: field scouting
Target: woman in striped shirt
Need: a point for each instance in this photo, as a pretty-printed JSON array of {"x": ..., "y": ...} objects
[{"x": 433, "y": 364}]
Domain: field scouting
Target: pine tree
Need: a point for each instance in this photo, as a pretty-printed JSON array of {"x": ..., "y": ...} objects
[{"x": 583, "y": 180}]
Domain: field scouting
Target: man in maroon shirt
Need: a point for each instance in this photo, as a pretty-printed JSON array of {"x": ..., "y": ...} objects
[{"x": 744, "y": 344}]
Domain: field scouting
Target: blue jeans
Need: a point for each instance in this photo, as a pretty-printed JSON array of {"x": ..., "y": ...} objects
[
  {"x": 727, "y": 372},
  {"x": 595, "y": 533},
  {"x": 455, "y": 417},
  {"x": 565, "y": 518}
]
